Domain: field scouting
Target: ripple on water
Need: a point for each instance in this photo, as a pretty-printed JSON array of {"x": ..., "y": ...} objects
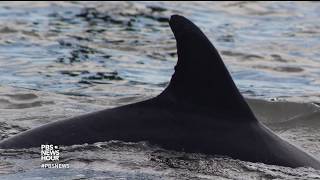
[{"x": 21, "y": 101}]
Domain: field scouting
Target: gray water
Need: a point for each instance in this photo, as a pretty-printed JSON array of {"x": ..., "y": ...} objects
[{"x": 62, "y": 59}]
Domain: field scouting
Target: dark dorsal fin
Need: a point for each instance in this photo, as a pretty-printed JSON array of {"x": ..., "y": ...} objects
[{"x": 201, "y": 78}]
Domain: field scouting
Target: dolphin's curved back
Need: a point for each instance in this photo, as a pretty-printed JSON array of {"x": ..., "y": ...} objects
[{"x": 201, "y": 78}]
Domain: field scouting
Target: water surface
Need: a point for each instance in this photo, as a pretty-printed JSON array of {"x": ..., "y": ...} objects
[{"x": 61, "y": 59}]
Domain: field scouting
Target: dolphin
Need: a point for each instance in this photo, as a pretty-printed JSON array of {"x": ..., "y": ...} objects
[{"x": 200, "y": 111}]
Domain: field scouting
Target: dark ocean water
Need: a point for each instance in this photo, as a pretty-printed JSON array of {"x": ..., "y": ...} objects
[{"x": 61, "y": 59}]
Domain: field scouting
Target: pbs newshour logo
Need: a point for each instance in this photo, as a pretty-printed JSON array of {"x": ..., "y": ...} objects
[{"x": 51, "y": 153}]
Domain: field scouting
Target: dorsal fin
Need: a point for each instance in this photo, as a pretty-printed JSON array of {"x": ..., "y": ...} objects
[{"x": 201, "y": 78}]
